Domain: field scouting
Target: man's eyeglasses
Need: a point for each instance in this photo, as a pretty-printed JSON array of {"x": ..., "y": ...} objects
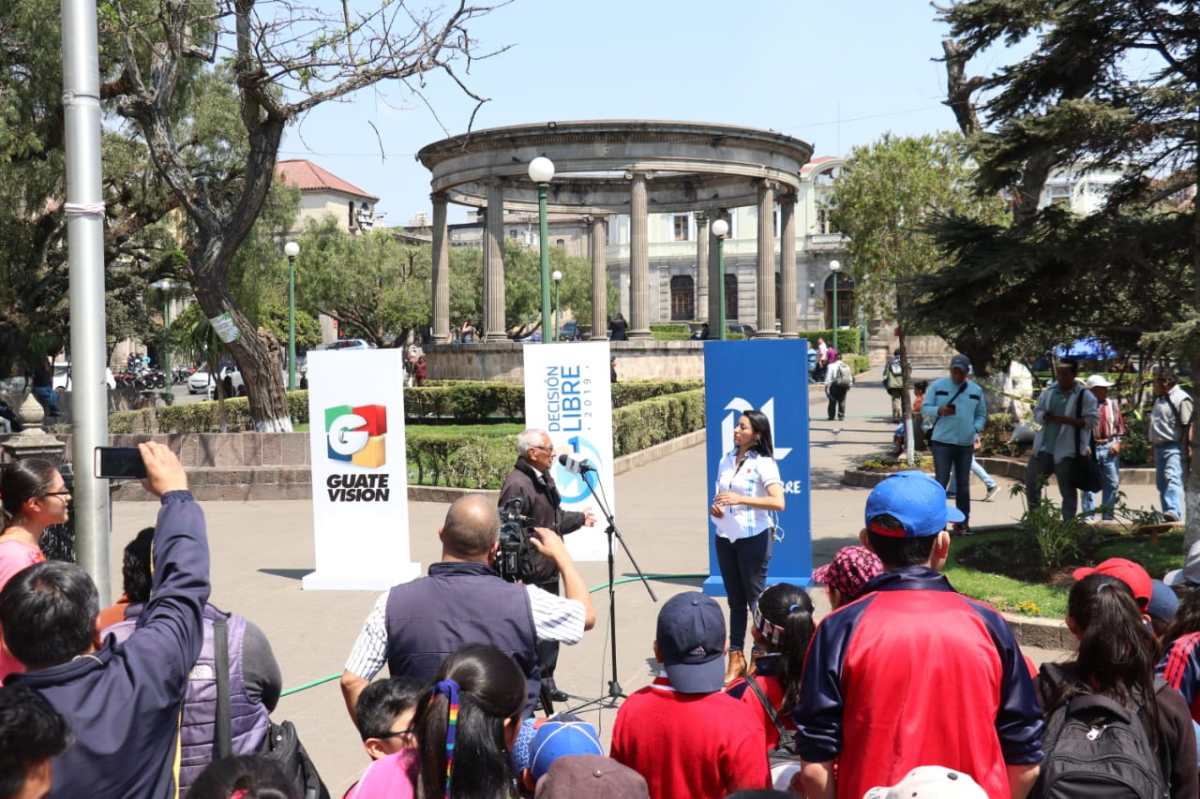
[
  {"x": 57, "y": 494},
  {"x": 395, "y": 734}
]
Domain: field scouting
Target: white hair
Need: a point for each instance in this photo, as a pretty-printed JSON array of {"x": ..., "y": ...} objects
[{"x": 528, "y": 439}]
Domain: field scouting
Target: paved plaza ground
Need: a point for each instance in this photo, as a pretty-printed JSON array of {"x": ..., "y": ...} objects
[{"x": 260, "y": 550}]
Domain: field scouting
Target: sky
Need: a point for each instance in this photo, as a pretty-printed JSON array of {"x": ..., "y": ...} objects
[{"x": 835, "y": 74}]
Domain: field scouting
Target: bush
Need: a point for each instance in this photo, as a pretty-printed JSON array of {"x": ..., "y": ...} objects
[
  {"x": 1057, "y": 542},
  {"x": 858, "y": 363},
  {"x": 653, "y": 421},
  {"x": 1135, "y": 446},
  {"x": 463, "y": 402},
  {"x": 996, "y": 435},
  {"x": 847, "y": 338},
  {"x": 677, "y": 332},
  {"x": 458, "y": 458}
]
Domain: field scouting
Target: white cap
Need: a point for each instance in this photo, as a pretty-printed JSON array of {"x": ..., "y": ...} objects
[
  {"x": 931, "y": 782},
  {"x": 1099, "y": 381}
]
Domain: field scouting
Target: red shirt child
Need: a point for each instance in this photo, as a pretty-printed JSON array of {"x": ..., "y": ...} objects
[{"x": 683, "y": 733}]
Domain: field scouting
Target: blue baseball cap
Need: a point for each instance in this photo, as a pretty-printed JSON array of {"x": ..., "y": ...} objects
[
  {"x": 691, "y": 641},
  {"x": 915, "y": 500},
  {"x": 562, "y": 738},
  {"x": 1164, "y": 604}
]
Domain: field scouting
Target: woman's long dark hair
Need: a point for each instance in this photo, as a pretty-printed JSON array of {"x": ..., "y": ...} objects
[
  {"x": 20, "y": 482},
  {"x": 789, "y": 606},
  {"x": 1187, "y": 619},
  {"x": 761, "y": 425},
  {"x": 1117, "y": 651},
  {"x": 491, "y": 691}
]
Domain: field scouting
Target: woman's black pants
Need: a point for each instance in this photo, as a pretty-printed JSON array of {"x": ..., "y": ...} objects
[{"x": 743, "y": 565}]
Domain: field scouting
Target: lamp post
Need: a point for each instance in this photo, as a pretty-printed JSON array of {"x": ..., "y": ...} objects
[
  {"x": 557, "y": 279},
  {"x": 291, "y": 250},
  {"x": 164, "y": 286},
  {"x": 835, "y": 267},
  {"x": 541, "y": 172},
  {"x": 812, "y": 292},
  {"x": 720, "y": 229}
]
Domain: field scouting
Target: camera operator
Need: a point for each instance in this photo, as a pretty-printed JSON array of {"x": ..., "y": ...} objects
[
  {"x": 415, "y": 626},
  {"x": 530, "y": 480}
]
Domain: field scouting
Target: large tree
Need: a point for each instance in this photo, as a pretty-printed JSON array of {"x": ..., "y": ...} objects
[
  {"x": 886, "y": 195},
  {"x": 284, "y": 60},
  {"x": 1108, "y": 84}
]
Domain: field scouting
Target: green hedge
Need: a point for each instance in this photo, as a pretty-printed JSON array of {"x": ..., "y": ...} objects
[
  {"x": 847, "y": 338},
  {"x": 464, "y": 402},
  {"x": 675, "y": 332},
  {"x": 466, "y": 459},
  {"x": 653, "y": 421},
  {"x": 858, "y": 363}
]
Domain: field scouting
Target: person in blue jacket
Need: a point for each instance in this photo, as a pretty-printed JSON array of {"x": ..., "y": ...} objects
[
  {"x": 122, "y": 701},
  {"x": 957, "y": 408}
]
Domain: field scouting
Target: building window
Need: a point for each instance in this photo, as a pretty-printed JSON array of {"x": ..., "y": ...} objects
[
  {"x": 683, "y": 298},
  {"x": 560, "y": 242},
  {"x": 681, "y": 227},
  {"x": 824, "y": 222},
  {"x": 351, "y": 208},
  {"x": 514, "y": 233},
  {"x": 731, "y": 296}
]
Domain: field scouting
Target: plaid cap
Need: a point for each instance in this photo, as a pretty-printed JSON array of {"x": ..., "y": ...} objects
[{"x": 850, "y": 570}]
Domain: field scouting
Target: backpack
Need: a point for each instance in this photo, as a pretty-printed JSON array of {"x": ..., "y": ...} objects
[
  {"x": 841, "y": 374},
  {"x": 895, "y": 374},
  {"x": 1097, "y": 747},
  {"x": 782, "y": 761}
]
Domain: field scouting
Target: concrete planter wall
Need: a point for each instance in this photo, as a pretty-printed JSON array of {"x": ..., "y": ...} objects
[{"x": 636, "y": 360}]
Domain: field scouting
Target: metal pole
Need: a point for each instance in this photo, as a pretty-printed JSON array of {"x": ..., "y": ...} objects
[
  {"x": 721, "y": 285},
  {"x": 85, "y": 249},
  {"x": 166, "y": 353},
  {"x": 835, "y": 319},
  {"x": 557, "y": 310},
  {"x": 544, "y": 252},
  {"x": 291, "y": 323}
]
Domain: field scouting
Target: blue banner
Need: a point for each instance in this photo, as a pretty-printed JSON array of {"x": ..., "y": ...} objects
[{"x": 769, "y": 376}]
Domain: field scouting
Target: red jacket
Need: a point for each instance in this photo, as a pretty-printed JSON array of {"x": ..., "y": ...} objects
[
  {"x": 915, "y": 674},
  {"x": 690, "y": 745},
  {"x": 1180, "y": 668}
]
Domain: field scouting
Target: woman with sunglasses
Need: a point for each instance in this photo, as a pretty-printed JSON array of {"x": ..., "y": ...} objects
[{"x": 33, "y": 496}]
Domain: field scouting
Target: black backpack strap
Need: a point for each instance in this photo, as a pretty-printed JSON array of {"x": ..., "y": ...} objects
[
  {"x": 766, "y": 703},
  {"x": 223, "y": 732}
]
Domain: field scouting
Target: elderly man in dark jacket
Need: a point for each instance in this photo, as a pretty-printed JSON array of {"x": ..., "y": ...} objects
[{"x": 531, "y": 482}]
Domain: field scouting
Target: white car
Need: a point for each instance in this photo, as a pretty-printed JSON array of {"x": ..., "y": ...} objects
[
  {"x": 235, "y": 375},
  {"x": 199, "y": 381},
  {"x": 62, "y": 377},
  {"x": 348, "y": 344}
]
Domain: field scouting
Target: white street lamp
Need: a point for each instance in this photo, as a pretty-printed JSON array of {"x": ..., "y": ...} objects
[
  {"x": 291, "y": 250},
  {"x": 541, "y": 172},
  {"x": 165, "y": 285},
  {"x": 720, "y": 229},
  {"x": 835, "y": 267},
  {"x": 557, "y": 277}
]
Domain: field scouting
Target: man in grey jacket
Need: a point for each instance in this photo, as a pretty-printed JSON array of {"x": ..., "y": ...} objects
[
  {"x": 1170, "y": 420},
  {"x": 1068, "y": 413}
]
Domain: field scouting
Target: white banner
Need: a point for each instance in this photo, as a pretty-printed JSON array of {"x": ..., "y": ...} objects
[
  {"x": 359, "y": 470},
  {"x": 568, "y": 394}
]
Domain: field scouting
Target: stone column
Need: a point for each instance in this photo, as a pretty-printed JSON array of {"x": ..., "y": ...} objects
[
  {"x": 787, "y": 265},
  {"x": 599, "y": 246},
  {"x": 701, "y": 265},
  {"x": 766, "y": 261},
  {"x": 441, "y": 271},
  {"x": 493, "y": 276},
  {"x": 715, "y": 287},
  {"x": 639, "y": 259}
]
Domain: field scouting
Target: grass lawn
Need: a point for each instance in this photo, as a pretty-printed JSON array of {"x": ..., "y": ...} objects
[{"x": 1049, "y": 600}]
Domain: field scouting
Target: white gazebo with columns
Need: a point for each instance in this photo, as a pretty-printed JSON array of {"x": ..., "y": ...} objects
[{"x": 635, "y": 167}]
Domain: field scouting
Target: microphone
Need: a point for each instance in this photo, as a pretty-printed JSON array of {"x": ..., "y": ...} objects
[{"x": 575, "y": 465}]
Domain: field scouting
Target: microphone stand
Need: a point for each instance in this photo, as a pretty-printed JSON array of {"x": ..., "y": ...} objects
[{"x": 609, "y": 700}]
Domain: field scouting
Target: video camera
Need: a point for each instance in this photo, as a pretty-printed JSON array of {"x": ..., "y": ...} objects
[{"x": 514, "y": 560}]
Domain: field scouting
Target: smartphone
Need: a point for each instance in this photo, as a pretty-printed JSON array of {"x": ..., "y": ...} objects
[
  {"x": 119, "y": 463},
  {"x": 950, "y": 407}
]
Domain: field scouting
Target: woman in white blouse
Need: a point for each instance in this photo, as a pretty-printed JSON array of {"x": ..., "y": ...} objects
[{"x": 748, "y": 494}]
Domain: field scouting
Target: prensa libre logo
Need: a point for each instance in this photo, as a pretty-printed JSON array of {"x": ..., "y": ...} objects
[{"x": 357, "y": 435}]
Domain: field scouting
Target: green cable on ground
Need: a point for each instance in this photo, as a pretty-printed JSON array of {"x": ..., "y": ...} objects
[{"x": 594, "y": 589}]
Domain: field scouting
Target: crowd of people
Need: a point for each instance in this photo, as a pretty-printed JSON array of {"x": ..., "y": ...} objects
[{"x": 906, "y": 688}]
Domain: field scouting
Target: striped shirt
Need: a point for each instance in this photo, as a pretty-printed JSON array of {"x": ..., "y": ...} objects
[
  {"x": 555, "y": 618},
  {"x": 757, "y": 473}
]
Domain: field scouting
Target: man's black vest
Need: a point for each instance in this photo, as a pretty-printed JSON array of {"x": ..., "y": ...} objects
[{"x": 459, "y": 603}]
